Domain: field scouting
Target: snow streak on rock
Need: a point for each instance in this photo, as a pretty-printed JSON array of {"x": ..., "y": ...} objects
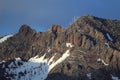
[
  {"x": 69, "y": 45},
  {"x": 102, "y": 61},
  {"x": 109, "y": 37},
  {"x": 5, "y": 38},
  {"x": 64, "y": 56},
  {"x": 107, "y": 44}
]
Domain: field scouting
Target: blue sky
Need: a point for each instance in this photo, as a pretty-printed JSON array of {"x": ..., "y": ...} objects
[{"x": 41, "y": 14}]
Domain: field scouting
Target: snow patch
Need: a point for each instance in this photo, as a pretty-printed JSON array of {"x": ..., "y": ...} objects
[
  {"x": 38, "y": 59},
  {"x": 99, "y": 59},
  {"x": 49, "y": 49},
  {"x": 109, "y": 37},
  {"x": 115, "y": 78},
  {"x": 5, "y": 38},
  {"x": 107, "y": 44},
  {"x": 89, "y": 75},
  {"x": 34, "y": 69},
  {"x": 2, "y": 62},
  {"x": 69, "y": 45}
]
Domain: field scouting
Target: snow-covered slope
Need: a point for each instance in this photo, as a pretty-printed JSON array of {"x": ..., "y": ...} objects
[
  {"x": 5, "y": 38},
  {"x": 36, "y": 68},
  {"x": 21, "y": 70}
]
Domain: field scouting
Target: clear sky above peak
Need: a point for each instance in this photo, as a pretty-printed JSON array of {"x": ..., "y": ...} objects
[{"x": 41, "y": 14}]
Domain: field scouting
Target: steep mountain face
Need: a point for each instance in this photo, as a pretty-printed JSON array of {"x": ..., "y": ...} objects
[{"x": 89, "y": 49}]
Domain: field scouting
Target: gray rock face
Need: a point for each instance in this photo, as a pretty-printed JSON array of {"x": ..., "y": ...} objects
[{"x": 95, "y": 54}]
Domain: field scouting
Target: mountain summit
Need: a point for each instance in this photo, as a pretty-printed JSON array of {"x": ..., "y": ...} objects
[{"x": 89, "y": 49}]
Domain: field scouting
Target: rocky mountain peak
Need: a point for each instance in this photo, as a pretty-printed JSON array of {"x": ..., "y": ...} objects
[
  {"x": 56, "y": 28},
  {"x": 87, "y": 17},
  {"x": 87, "y": 49},
  {"x": 25, "y": 31}
]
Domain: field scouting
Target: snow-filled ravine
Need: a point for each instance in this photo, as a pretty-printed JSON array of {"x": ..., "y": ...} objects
[{"x": 36, "y": 68}]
